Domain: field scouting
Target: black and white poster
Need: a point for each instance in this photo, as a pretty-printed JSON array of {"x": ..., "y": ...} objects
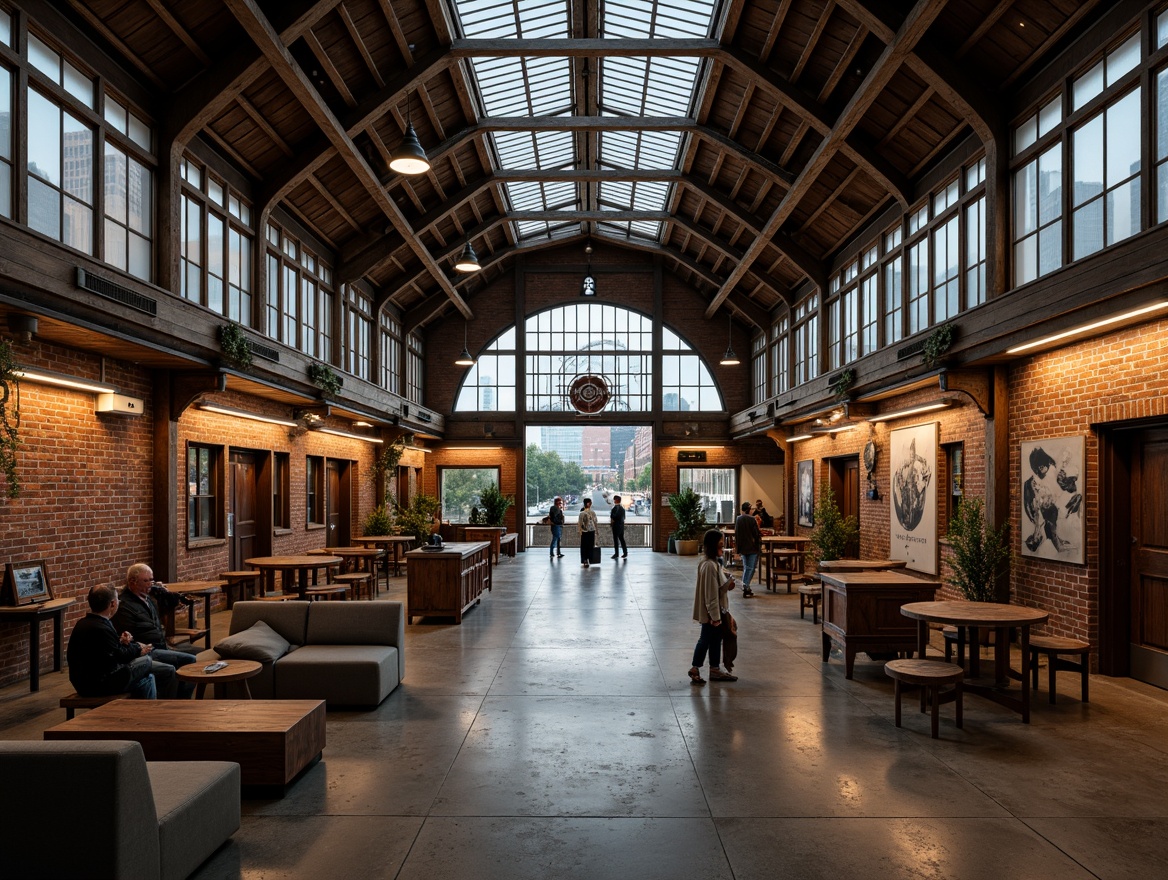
[
  {"x": 913, "y": 496},
  {"x": 1052, "y": 499},
  {"x": 804, "y": 477}
]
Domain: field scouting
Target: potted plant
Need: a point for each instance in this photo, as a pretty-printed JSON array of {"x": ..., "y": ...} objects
[
  {"x": 833, "y": 531},
  {"x": 235, "y": 345},
  {"x": 979, "y": 550},
  {"x": 385, "y": 465},
  {"x": 417, "y": 517},
  {"x": 842, "y": 384},
  {"x": 379, "y": 522},
  {"x": 323, "y": 377},
  {"x": 9, "y": 418},
  {"x": 691, "y": 520},
  {"x": 494, "y": 505},
  {"x": 936, "y": 344}
]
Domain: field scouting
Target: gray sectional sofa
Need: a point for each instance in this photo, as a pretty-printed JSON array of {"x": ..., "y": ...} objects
[
  {"x": 345, "y": 653},
  {"x": 89, "y": 808}
]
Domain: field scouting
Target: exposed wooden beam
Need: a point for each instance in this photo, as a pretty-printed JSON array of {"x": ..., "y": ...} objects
[
  {"x": 330, "y": 69},
  {"x": 179, "y": 31}
]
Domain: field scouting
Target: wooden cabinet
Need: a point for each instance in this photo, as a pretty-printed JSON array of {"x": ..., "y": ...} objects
[
  {"x": 861, "y": 612},
  {"x": 446, "y": 582},
  {"x": 494, "y": 534}
]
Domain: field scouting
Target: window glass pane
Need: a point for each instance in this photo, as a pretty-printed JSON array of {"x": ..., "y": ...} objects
[
  {"x": 1162, "y": 193},
  {"x": 1025, "y": 198},
  {"x": 5, "y": 113},
  {"x": 44, "y": 59},
  {"x": 78, "y": 226},
  {"x": 5, "y": 190},
  {"x": 115, "y": 115},
  {"x": 78, "y": 85},
  {"x": 1162, "y": 114},
  {"x": 1087, "y": 86},
  {"x": 44, "y": 208},
  {"x": 139, "y": 197},
  {"x": 115, "y": 244},
  {"x": 1050, "y": 116},
  {"x": 140, "y": 132},
  {"x": 1123, "y": 58},
  {"x": 1162, "y": 30},
  {"x": 1025, "y": 134},
  {"x": 1088, "y": 229},
  {"x": 78, "y": 168},
  {"x": 115, "y": 183},
  {"x": 1123, "y": 211},
  {"x": 44, "y": 138},
  {"x": 1050, "y": 248},
  {"x": 1050, "y": 185},
  {"x": 1087, "y": 150},
  {"x": 1026, "y": 260},
  {"x": 140, "y": 262},
  {"x": 5, "y": 28},
  {"x": 1123, "y": 142}
]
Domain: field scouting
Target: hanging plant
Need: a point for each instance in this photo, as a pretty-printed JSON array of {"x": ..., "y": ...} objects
[
  {"x": 235, "y": 345},
  {"x": 385, "y": 465},
  {"x": 937, "y": 344},
  {"x": 323, "y": 377},
  {"x": 9, "y": 418},
  {"x": 842, "y": 384}
]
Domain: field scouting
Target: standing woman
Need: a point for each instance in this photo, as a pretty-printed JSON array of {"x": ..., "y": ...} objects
[
  {"x": 710, "y": 606},
  {"x": 587, "y": 523}
]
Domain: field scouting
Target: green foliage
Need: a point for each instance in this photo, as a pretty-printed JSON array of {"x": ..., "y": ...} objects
[
  {"x": 461, "y": 489},
  {"x": 494, "y": 505},
  {"x": 842, "y": 384},
  {"x": 235, "y": 345},
  {"x": 833, "y": 531},
  {"x": 978, "y": 551},
  {"x": 687, "y": 509},
  {"x": 417, "y": 517},
  {"x": 385, "y": 465},
  {"x": 323, "y": 377},
  {"x": 937, "y": 344},
  {"x": 9, "y": 419},
  {"x": 644, "y": 480},
  {"x": 379, "y": 522},
  {"x": 548, "y": 475},
  {"x": 477, "y": 517}
]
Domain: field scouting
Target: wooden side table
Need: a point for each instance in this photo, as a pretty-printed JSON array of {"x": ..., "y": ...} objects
[
  {"x": 236, "y": 670},
  {"x": 34, "y": 614}
]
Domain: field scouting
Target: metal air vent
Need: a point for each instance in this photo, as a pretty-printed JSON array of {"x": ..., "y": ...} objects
[{"x": 107, "y": 289}]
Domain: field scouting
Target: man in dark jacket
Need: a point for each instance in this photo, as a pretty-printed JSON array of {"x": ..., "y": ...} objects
[
  {"x": 138, "y": 615},
  {"x": 556, "y": 515},
  {"x": 101, "y": 662},
  {"x": 617, "y": 518},
  {"x": 747, "y": 541}
]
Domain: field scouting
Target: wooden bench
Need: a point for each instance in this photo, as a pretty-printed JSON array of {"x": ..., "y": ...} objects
[
  {"x": 358, "y": 581},
  {"x": 509, "y": 543},
  {"x": 1052, "y": 646},
  {"x": 73, "y": 702},
  {"x": 810, "y": 595},
  {"x": 930, "y": 676},
  {"x": 327, "y": 593}
]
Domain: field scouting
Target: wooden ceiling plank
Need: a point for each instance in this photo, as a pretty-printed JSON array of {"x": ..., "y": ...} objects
[
  {"x": 907, "y": 116},
  {"x": 843, "y": 65},
  {"x": 359, "y": 42},
  {"x": 1085, "y": 7},
  {"x": 813, "y": 41},
  {"x": 230, "y": 151},
  {"x": 988, "y": 21},
  {"x": 826, "y": 203},
  {"x": 856, "y": 147},
  {"x": 336, "y": 206},
  {"x": 179, "y": 31},
  {"x": 772, "y": 36},
  {"x": 399, "y": 37},
  {"x": 330, "y": 69},
  {"x": 100, "y": 26},
  {"x": 262, "y": 124}
]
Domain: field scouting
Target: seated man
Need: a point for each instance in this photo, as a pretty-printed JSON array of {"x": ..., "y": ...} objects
[
  {"x": 101, "y": 662},
  {"x": 138, "y": 615}
]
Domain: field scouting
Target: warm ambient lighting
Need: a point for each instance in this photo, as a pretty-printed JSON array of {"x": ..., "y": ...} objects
[
  {"x": 244, "y": 414},
  {"x": 339, "y": 433},
  {"x": 409, "y": 157},
  {"x": 799, "y": 437},
  {"x": 838, "y": 430},
  {"x": 48, "y": 377},
  {"x": 362, "y": 424},
  {"x": 916, "y": 410},
  {"x": 468, "y": 260},
  {"x": 464, "y": 359},
  {"x": 729, "y": 359},
  {"x": 1087, "y": 328}
]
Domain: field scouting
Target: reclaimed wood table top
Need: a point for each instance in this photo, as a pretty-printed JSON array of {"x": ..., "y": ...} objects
[
  {"x": 36, "y": 609},
  {"x": 386, "y": 539},
  {"x": 963, "y": 613},
  {"x": 235, "y": 670},
  {"x": 860, "y": 564},
  {"x": 161, "y": 716},
  {"x": 785, "y": 539},
  {"x": 304, "y": 561},
  {"x": 196, "y": 587},
  {"x": 886, "y": 578}
]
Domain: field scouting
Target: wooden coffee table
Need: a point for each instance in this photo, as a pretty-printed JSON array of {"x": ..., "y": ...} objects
[
  {"x": 235, "y": 670},
  {"x": 273, "y": 741}
]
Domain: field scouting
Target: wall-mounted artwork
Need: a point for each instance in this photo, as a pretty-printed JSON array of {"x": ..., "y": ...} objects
[
  {"x": 1052, "y": 499},
  {"x": 805, "y": 478},
  {"x": 913, "y": 496}
]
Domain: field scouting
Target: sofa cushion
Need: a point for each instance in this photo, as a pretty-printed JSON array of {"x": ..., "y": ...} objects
[
  {"x": 354, "y": 623},
  {"x": 198, "y": 808},
  {"x": 341, "y": 675},
  {"x": 257, "y": 642},
  {"x": 289, "y": 619}
]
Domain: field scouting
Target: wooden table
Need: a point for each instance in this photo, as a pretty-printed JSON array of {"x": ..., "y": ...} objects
[
  {"x": 206, "y": 589},
  {"x": 781, "y": 560},
  {"x": 447, "y": 582},
  {"x": 34, "y": 614},
  {"x": 487, "y": 533},
  {"x": 271, "y": 740},
  {"x": 861, "y": 612},
  {"x": 300, "y": 565},
  {"x": 974, "y": 616},
  {"x": 235, "y": 670},
  {"x": 860, "y": 564},
  {"x": 355, "y": 556},
  {"x": 399, "y": 543}
]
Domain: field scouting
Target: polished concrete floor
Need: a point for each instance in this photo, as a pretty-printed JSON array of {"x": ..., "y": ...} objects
[{"x": 555, "y": 734}]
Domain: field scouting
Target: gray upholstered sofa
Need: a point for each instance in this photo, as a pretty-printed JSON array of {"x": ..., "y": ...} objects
[
  {"x": 89, "y": 808},
  {"x": 345, "y": 653}
]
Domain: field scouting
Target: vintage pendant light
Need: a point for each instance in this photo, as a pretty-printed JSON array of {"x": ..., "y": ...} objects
[
  {"x": 729, "y": 359},
  {"x": 409, "y": 157}
]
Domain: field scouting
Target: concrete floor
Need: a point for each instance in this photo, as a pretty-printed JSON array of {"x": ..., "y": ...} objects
[{"x": 555, "y": 734}]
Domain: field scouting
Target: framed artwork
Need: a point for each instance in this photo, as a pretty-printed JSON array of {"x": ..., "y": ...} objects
[
  {"x": 805, "y": 479},
  {"x": 1052, "y": 499},
  {"x": 913, "y": 496},
  {"x": 27, "y": 582}
]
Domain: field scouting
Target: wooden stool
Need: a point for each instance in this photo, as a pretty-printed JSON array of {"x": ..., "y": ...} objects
[
  {"x": 358, "y": 580},
  {"x": 316, "y": 594},
  {"x": 73, "y": 702},
  {"x": 810, "y": 596},
  {"x": 1052, "y": 646},
  {"x": 930, "y": 676},
  {"x": 239, "y": 584}
]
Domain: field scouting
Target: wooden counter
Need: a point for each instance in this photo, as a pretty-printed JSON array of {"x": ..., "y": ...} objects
[
  {"x": 446, "y": 582},
  {"x": 861, "y": 612}
]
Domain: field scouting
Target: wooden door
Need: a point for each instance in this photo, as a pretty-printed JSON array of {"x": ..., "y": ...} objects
[
  {"x": 1149, "y": 557},
  {"x": 845, "y": 483},
  {"x": 337, "y": 503},
  {"x": 241, "y": 518}
]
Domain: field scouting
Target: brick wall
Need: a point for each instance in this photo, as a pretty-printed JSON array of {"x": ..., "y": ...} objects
[{"x": 504, "y": 459}]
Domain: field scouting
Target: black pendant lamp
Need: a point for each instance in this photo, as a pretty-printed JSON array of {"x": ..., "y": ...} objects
[
  {"x": 464, "y": 359},
  {"x": 729, "y": 359},
  {"x": 409, "y": 157},
  {"x": 468, "y": 260}
]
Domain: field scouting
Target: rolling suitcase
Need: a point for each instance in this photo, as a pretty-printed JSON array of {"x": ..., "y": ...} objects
[{"x": 595, "y": 559}]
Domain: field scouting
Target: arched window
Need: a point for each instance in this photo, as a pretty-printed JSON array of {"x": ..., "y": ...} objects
[{"x": 588, "y": 339}]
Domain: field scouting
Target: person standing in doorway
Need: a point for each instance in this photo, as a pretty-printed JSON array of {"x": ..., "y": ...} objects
[
  {"x": 617, "y": 518},
  {"x": 747, "y": 540},
  {"x": 587, "y": 525},
  {"x": 556, "y": 515}
]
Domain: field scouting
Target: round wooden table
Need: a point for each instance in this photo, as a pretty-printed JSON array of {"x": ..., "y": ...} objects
[
  {"x": 301, "y": 565},
  {"x": 399, "y": 543},
  {"x": 236, "y": 670}
]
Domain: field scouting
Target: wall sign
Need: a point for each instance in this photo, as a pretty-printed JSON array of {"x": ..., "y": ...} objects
[
  {"x": 913, "y": 496},
  {"x": 691, "y": 455},
  {"x": 588, "y": 394}
]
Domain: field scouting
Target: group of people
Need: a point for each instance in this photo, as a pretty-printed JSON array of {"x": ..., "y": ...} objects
[
  {"x": 588, "y": 524},
  {"x": 120, "y": 646}
]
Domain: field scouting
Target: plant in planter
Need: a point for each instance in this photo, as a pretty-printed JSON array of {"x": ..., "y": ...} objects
[
  {"x": 842, "y": 383},
  {"x": 494, "y": 505},
  {"x": 691, "y": 520},
  {"x": 323, "y": 377},
  {"x": 979, "y": 550},
  {"x": 379, "y": 522},
  {"x": 417, "y": 517},
  {"x": 9, "y": 418},
  {"x": 833, "y": 531},
  {"x": 235, "y": 345},
  {"x": 937, "y": 344},
  {"x": 385, "y": 465}
]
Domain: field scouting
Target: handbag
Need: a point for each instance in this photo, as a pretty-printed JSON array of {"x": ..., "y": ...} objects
[{"x": 729, "y": 640}]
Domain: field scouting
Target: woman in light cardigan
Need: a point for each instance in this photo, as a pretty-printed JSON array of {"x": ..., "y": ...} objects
[
  {"x": 587, "y": 525},
  {"x": 711, "y": 610}
]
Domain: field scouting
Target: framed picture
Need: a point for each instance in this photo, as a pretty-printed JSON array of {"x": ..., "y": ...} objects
[
  {"x": 27, "y": 582},
  {"x": 805, "y": 479},
  {"x": 912, "y": 495},
  {"x": 1052, "y": 499}
]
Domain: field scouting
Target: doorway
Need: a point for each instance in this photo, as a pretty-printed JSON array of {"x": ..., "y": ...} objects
[
  {"x": 241, "y": 517},
  {"x": 1148, "y": 643},
  {"x": 337, "y": 502},
  {"x": 844, "y": 476}
]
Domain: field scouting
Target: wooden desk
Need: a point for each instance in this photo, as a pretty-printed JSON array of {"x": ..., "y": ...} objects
[
  {"x": 206, "y": 589},
  {"x": 860, "y": 564},
  {"x": 399, "y": 543},
  {"x": 447, "y": 582},
  {"x": 974, "y": 616},
  {"x": 271, "y": 740},
  {"x": 861, "y": 612},
  {"x": 34, "y": 614},
  {"x": 487, "y": 533},
  {"x": 299, "y": 565},
  {"x": 782, "y": 560}
]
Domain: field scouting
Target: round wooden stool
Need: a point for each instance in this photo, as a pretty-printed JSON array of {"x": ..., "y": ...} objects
[
  {"x": 1052, "y": 646},
  {"x": 930, "y": 676}
]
